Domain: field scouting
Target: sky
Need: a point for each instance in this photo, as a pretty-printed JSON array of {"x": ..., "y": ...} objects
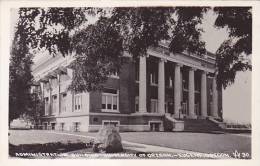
[{"x": 237, "y": 97}]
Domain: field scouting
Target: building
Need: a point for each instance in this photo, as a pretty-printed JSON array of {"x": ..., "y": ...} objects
[{"x": 147, "y": 94}]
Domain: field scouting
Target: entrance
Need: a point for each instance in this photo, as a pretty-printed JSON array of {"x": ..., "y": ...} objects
[
  {"x": 155, "y": 126},
  {"x": 53, "y": 126}
]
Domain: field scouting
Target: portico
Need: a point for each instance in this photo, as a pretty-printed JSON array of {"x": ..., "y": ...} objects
[{"x": 189, "y": 100}]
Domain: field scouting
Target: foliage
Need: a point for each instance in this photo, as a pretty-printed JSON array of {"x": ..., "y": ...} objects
[
  {"x": 98, "y": 53},
  {"x": 232, "y": 55},
  {"x": 186, "y": 33},
  {"x": 142, "y": 27},
  {"x": 20, "y": 77},
  {"x": 98, "y": 47}
]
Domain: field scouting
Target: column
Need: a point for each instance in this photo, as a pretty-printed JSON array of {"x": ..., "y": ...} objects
[
  {"x": 215, "y": 97},
  {"x": 191, "y": 94},
  {"x": 142, "y": 84},
  {"x": 177, "y": 90},
  {"x": 42, "y": 90},
  {"x": 50, "y": 98},
  {"x": 203, "y": 94},
  {"x": 161, "y": 86},
  {"x": 58, "y": 96}
]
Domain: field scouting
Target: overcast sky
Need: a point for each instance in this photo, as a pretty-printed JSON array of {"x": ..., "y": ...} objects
[{"x": 236, "y": 98}]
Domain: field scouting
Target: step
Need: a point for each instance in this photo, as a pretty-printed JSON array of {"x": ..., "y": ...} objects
[{"x": 200, "y": 125}]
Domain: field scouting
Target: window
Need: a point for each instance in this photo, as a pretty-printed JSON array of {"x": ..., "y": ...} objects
[
  {"x": 114, "y": 102},
  {"x": 110, "y": 123},
  {"x": 54, "y": 104},
  {"x": 76, "y": 126},
  {"x": 153, "y": 78},
  {"x": 63, "y": 102},
  {"x": 185, "y": 84},
  {"x": 154, "y": 105},
  {"x": 184, "y": 107},
  {"x": 110, "y": 100},
  {"x": 77, "y": 102},
  {"x": 155, "y": 126},
  {"x": 170, "y": 81},
  {"x": 136, "y": 103},
  {"x": 62, "y": 126},
  {"x": 53, "y": 126},
  {"x": 197, "y": 85},
  {"x": 114, "y": 74},
  {"x": 46, "y": 105}
]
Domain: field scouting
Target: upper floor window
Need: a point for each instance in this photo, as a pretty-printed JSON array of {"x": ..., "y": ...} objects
[
  {"x": 197, "y": 85},
  {"x": 77, "y": 102},
  {"x": 153, "y": 78},
  {"x": 46, "y": 105},
  {"x": 110, "y": 100},
  {"x": 170, "y": 81},
  {"x": 114, "y": 74},
  {"x": 54, "y": 103},
  {"x": 185, "y": 81},
  {"x": 63, "y": 102}
]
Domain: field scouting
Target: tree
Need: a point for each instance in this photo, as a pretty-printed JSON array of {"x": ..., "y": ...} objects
[
  {"x": 20, "y": 77},
  {"x": 233, "y": 54},
  {"x": 98, "y": 53},
  {"x": 99, "y": 46}
]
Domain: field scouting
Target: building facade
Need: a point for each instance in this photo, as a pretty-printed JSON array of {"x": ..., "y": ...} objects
[{"x": 145, "y": 94}]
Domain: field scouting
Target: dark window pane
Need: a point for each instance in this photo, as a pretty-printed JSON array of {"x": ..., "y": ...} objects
[{"x": 113, "y": 91}]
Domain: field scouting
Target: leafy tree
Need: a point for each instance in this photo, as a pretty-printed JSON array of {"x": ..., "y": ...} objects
[
  {"x": 98, "y": 53},
  {"x": 20, "y": 77},
  {"x": 99, "y": 46},
  {"x": 232, "y": 55}
]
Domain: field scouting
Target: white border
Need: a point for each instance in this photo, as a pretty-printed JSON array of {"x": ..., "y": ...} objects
[{"x": 4, "y": 72}]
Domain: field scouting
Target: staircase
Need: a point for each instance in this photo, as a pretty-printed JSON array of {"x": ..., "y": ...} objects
[{"x": 200, "y": 125}]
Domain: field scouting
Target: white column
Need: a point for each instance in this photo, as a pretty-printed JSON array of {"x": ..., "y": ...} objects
[
  {"x": 161, "y": 86},
  {"x": 42, "y": 90},
  {"x": 142, "y": 84},
  {"x": 50, "y": 99},
  {"x": 191, "y": 94},
  {"x": 203, "y": 94},
  {"x": 215, "y": 97},
  {"x": 177, "y": 90},
  {"x": 58, "y": 96}
]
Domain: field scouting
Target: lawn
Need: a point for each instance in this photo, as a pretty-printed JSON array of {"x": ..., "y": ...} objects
[{"x": 38, "y": 140}]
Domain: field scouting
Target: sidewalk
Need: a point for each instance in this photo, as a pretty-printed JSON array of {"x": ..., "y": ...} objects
[{"x": 155, "y": 149}]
